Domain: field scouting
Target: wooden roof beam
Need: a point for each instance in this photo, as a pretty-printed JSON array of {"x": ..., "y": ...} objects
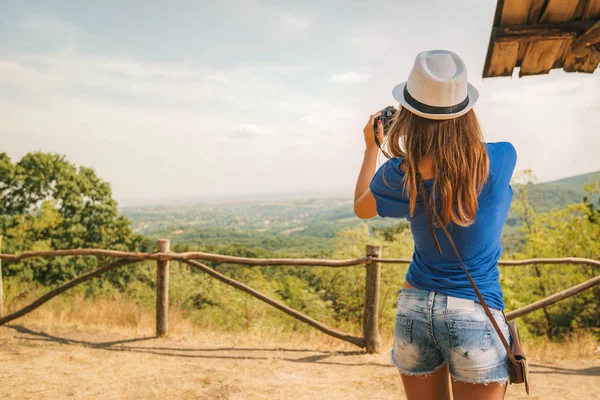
[
  {"x": 595, "y": 49},
  {"x": 559, "y": 31},
  {"x": 586, "y": 42}
]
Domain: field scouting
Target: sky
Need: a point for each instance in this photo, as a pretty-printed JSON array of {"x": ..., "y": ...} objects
[{"x": 172, "y": 100}]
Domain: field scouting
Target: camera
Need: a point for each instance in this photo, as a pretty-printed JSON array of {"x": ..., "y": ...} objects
[{"x": 386, "y": 117}]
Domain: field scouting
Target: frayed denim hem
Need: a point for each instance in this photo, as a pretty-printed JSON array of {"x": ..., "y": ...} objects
[
  {"x": 485, "y": 381},
  {"x": 500, "y": 381},
  {"x": 410, "y": 373}
]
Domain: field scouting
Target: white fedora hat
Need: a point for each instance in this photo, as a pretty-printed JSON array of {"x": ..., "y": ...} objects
[{"x": 437, "y": 86}]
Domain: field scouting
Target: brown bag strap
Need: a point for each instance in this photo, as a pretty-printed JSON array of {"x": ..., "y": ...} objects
[
  {"x": 428, "y": 213},
  {"x": 426, "y": 205}
]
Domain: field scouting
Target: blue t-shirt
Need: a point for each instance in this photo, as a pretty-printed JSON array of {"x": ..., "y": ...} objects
[{"x": 478, "y": 244}]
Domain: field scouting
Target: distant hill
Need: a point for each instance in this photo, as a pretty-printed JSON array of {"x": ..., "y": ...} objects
[
  {"x": 547, "y": 195},
  {"x": 574, "y": 183},
  {"x": 276, "y": 225},
  {"x": 544, "y": 197},
  {"x": 296, "y": 225}
]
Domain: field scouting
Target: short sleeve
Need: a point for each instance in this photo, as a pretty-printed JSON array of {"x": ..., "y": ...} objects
[
  {"x": 503, "y": 159},
  {"x": 387, "y": 189}
]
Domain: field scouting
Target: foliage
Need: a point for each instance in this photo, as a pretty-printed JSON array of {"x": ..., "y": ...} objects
[
  {"x": 48, "y": 203},
  {"x": 572, "y": 231}
]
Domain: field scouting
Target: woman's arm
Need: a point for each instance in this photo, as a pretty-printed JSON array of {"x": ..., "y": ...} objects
[{"x": 364, "y": 202}]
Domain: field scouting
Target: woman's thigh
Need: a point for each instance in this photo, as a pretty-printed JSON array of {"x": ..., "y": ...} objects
[
  {"x": 434, "y": 386},
  {"x": 470, "y": 391}
]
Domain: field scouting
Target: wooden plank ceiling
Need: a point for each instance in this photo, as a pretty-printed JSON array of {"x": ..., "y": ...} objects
[{"x": 538, "y": 35}]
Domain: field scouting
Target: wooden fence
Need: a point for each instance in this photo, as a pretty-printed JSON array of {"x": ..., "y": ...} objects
[{"x": 372, "y": 262}]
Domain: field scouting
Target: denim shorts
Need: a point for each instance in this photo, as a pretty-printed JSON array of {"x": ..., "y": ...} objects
[{"x": 428, "y": 335}]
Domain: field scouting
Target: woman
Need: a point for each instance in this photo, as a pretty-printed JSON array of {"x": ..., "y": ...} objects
[{"x": 441, "y": 329}]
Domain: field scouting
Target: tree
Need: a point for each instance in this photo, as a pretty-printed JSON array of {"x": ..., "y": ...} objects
[
  {"x": 48, "y": 203},
  {"x": 574, "y": 230}
]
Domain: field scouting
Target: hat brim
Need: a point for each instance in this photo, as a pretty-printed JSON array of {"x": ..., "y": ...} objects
[{"x": 398, "y": 93}]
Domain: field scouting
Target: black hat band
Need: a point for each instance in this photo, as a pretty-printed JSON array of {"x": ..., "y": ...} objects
[{"x": 427, "y": 109}]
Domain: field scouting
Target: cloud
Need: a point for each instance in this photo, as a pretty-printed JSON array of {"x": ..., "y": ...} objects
[
  {"x": 343, "y": 116},
  {"x": 571, "y": 94},
  {"x": 218, "y": 76},
  {"x": 308, "y": 120},
  {"x": 251, "y": 130},
  {"x": 281, "y": 22},
  {"x": 136, "y": 82},
  {"x": 75, "y": 91},
  {"x": 153, "y": 70},
  {"x": 373, "y": 41},
  {"x": 243, "y": 74},
  {"x": 169, "y": 71},
  {"x": 294, "y": 25},
  {"x": 349, "y": 77}
]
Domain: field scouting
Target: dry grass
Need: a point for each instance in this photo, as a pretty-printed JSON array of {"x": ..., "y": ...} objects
[
  {"x": 120, "y": 315},
  {"x": 116, "y": 315},
  {"x": 105, "y": 350},
  {"x": 577, "y": 346}
]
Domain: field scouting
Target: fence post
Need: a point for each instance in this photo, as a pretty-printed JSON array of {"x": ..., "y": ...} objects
[
  {"x": 371, "y": 317},
  {"x": 1, "y": 286},
  {"x": 162, "y": 289}
]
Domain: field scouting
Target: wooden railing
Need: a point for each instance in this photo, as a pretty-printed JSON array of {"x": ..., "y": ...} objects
[{"x": 372, "y": 262}]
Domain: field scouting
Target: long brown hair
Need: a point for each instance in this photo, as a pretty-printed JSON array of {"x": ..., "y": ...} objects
[{"x": 459, "y": 160}]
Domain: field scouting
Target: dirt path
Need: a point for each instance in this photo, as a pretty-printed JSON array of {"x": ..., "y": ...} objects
[{"x": 39, "y": 365}]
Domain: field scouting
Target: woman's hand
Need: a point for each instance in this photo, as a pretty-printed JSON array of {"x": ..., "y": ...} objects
[
  {"x": 364, "y": 202},
  {"x": 369, "y": 134}
]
